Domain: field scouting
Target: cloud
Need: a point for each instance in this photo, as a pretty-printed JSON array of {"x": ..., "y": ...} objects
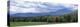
[{"x": 22, "y": 6}]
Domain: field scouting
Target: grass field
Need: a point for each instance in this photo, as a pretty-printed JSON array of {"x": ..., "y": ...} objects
[
  {"x": 14, "y": 24},
  {"x": 26, "y": 23}
]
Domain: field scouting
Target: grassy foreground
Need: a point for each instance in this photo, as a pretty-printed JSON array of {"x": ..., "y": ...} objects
[{"x": 26, "y": 23}]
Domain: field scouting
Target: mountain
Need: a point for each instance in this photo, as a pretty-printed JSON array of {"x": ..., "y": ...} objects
[{"x": 57, "y": 13}]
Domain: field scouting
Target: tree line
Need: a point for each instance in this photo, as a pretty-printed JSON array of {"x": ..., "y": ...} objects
[{"x": 72, "y": 17}]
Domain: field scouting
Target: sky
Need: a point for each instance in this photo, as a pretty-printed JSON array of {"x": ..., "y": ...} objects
[{"x": 39, "y": 6}]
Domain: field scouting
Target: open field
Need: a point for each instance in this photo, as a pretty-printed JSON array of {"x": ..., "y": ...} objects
[
  {"x": 26, "y": 23},
  {"x": 14, "y": 24}
]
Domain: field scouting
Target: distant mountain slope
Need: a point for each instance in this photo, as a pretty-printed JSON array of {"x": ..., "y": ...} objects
[{"x": 57, "y": 13}]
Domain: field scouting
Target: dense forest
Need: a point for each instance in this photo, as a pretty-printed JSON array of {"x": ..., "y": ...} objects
[{"x": 71, "y": 17}]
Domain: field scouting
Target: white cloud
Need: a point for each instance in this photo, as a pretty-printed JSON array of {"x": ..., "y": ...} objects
[
  {"x": 15, "y": 9},
  {"x": 52, "y": 1},
  {"x": 20, "y": 6}
]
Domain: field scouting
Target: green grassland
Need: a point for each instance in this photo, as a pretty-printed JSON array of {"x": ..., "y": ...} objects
[{"x": 26, "y": 23}]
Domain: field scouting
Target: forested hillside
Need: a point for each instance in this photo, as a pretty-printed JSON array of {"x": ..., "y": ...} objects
[{"x": 71, "y": 17}]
